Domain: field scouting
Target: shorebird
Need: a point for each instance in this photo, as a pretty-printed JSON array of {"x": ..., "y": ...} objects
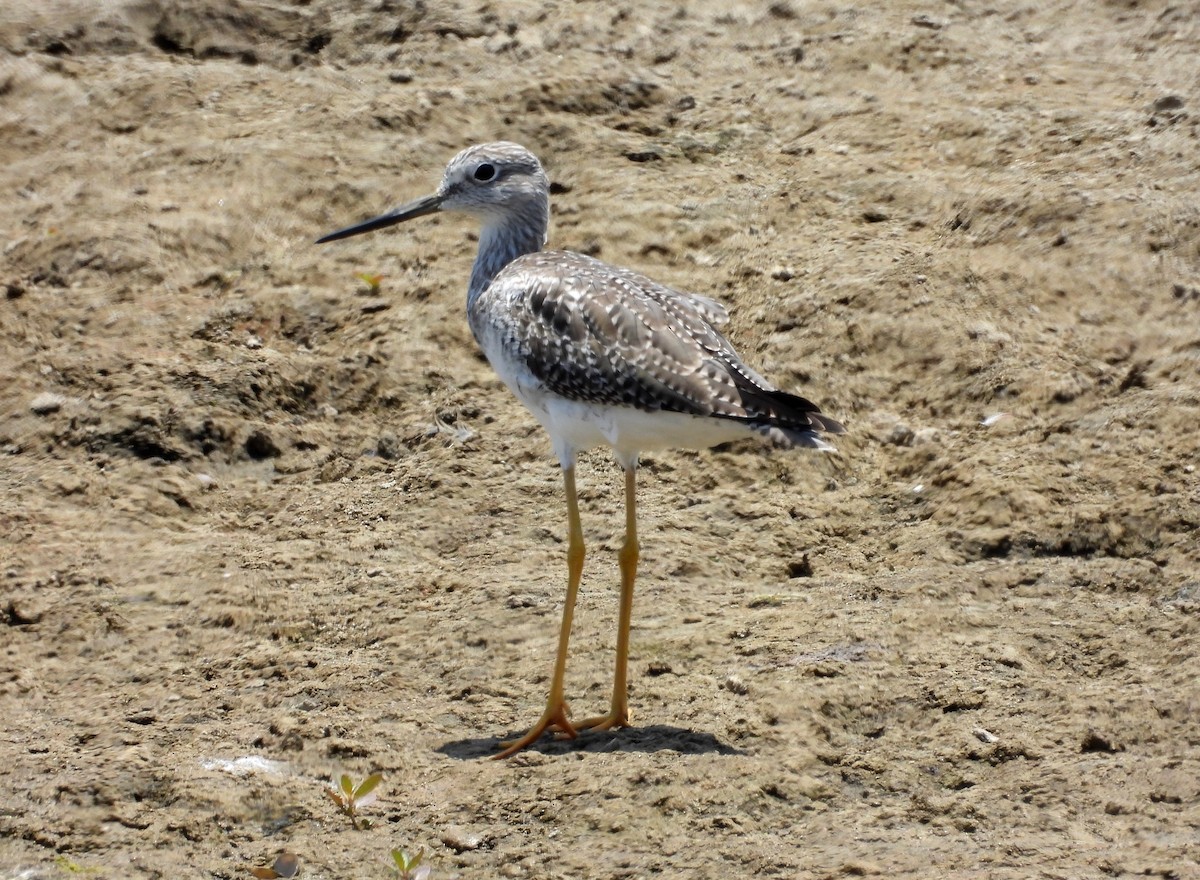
[{"x": 601, "y": 356}]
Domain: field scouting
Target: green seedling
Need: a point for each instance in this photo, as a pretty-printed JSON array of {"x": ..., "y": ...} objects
[
  {"x": 372, "y": 281},
  {"x": 410, "y": 867},
  {"x": 75, "y": 868},
  {"x": 350, "y": 798}
]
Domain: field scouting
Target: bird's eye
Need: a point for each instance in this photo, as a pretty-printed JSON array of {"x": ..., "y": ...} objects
[{"x": 485, "y": 172}]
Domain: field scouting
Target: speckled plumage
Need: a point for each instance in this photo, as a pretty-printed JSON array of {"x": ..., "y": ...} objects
[
  {"x": 601, "y": 356},
  {"x": 594, "y": 333},
  {"x": 557, "y": 324}
]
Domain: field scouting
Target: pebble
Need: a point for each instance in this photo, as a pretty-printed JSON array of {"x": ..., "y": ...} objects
[
  {"x": 461, "y": 840},
  {"x": 1007, "y": 655},
  {"x": 388, "y": 446},
  {"x": 928, "y": 21},
  {"x": 46, "y": 403},
  {"x": 810, "y": 787},
  {"x": 22, "y": 612},
  {"x": 735, "y": 684},
  {"x": 1167, "y": 103}
]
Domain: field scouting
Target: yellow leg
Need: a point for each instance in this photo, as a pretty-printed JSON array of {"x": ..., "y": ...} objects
[
  {"x": 618, "y": 715},
  {"x": 555, "y": 716}
]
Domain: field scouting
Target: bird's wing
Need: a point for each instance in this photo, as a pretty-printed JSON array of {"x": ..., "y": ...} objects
[{"x": 591, "y": 331}]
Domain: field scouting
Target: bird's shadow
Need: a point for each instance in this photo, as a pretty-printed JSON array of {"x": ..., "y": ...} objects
[{"x": 655, "y": 738}]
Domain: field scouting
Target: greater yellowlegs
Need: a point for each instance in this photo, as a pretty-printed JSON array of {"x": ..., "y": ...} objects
[{"x": 601, "y": 356}]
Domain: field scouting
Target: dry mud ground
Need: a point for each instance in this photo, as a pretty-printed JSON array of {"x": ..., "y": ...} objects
[{"x": 253, "y": 509}]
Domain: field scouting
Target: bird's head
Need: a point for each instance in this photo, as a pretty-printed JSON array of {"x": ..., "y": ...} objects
[
  {"x": 492, "y": 181},
  {"x": 500, "y": 183}
]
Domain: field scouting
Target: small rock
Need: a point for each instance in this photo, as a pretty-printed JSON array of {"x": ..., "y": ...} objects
[
  {"x": 643, "y": 155},
  {"x": 1167, "y": 103},
  {"x": 46, "y": 403},
  {"x": 809, "y": 787},
  {"x": 985, "y": 736},
  {"x": 735, "y": 685},
  {"x": 859, "y": 868},
  {"x": 460, "y": 840},
  {"x": 928, "y": 21},
  {"x": 388, "y": 446},
  {"x": 401, "y": 76},
  {"x": 21, "y": 612},
  {"x": 1009, "y": 656}
]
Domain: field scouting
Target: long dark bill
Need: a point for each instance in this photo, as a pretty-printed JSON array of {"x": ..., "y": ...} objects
[{"x": 419, "y": 208}]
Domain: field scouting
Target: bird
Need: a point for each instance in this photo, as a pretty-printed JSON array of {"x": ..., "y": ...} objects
[{"x": 601, "y": 356}]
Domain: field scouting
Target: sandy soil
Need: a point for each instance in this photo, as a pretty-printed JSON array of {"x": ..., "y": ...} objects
[{"x": 262, "y": 524}]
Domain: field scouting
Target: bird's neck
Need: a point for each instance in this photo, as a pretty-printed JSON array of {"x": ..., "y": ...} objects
[{"x": 502, "y": 240}]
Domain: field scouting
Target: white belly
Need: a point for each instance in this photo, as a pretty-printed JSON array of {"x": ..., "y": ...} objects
[
  {"x": 575, "y": 426},
  {"x": 628, "y": 431}
]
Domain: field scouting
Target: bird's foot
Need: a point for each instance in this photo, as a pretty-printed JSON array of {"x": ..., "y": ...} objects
[
  {"x": 616, "y": 718},
  {"x": 554, "y": 719}
]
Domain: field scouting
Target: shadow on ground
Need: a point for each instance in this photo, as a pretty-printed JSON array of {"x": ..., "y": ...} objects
[{"x": 655, "y": 738}]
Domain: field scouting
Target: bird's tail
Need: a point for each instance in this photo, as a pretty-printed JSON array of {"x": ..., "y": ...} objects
[{"x": 789, "y": 420}]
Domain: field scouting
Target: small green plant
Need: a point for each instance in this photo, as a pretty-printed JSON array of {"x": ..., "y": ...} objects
[
  {"x": 372, "y": 281},
  {"x": 75, "y": 868},
  {"x": 350, "y": 798},
  {"x": 410, "y": 867}
]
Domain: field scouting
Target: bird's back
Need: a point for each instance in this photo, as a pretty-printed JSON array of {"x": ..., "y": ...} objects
[{"x": 566, "y": 325}]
